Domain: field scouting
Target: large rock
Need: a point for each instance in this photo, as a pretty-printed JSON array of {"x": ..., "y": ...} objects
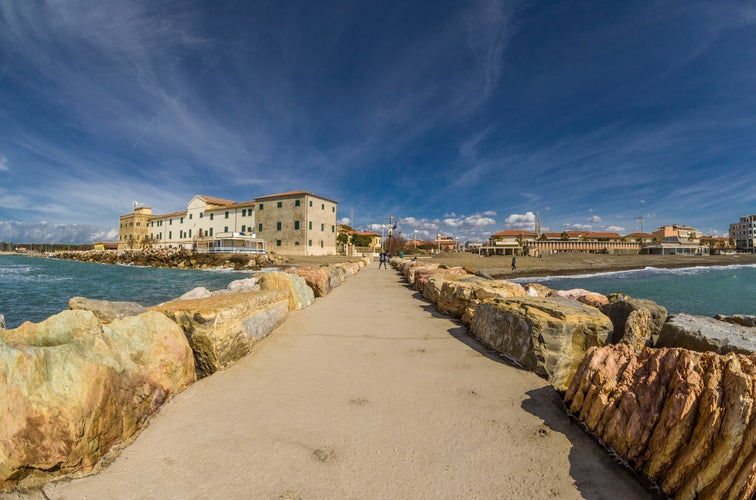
[
  {"x": 537, "y": 290},
  {"x": 458, "y": 297},
  {"x": 701, "y": 333},
  {"x": 619, "y": 308},
  {"x": 738, "y": 319},
  {"x": 223, "y": 328},
  {"x": 243, "y": 285},
  {"x": 300, "y": 295},
  {"x": 73, "y": 388},
  {"x": 585, "y": 296},
  {"x": 685, "y": 419},
  {"x": 316, "y": 278},
  {"x": 106, "y": 311},
  {"x": 547, "y": 335},
  {"x": 432, "y": 286}
]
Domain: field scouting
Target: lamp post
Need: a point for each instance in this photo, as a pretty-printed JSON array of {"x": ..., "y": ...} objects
[{"x": 414, "y": 239}]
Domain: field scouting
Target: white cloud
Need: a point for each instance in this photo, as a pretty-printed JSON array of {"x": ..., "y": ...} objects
[
  {"x": 520, "y": 221},
  {"x": 75, "y": 234},
  {"x": 4, "y": 163},
  {"x": 578, "y": 227},
  {"x": 595, "y": 219},
  {"x": 346, "y": 220},
  {"x": 615, "y": 229}
]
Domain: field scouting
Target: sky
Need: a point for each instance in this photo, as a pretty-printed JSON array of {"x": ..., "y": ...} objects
[{"x": 460, "y": 118}]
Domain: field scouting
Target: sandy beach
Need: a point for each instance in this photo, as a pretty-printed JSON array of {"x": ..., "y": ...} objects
[
  {"x": 562, "y": 263},
  {"x": 368, "y": 393}
]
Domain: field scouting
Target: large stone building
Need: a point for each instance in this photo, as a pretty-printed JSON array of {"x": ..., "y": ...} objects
[
  {"x": 294, "y": 223},
  {"x": 744, "y": 234}
]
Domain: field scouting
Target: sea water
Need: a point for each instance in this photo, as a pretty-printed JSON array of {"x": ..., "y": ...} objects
[
  {"x": 707, "y": 290},
  {"x": 34, "y": 288}
]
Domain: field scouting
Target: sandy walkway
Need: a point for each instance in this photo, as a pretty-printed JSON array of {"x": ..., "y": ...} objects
[{"x": 366, "y": 394}]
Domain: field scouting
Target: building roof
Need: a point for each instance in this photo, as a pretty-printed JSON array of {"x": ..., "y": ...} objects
[
  {"x": 172, "y": 214},
  {"x": 215, "y": 201},
  {"x": 514, "y": 232},
  {"x": 639, "y": 235},
  {"x": 293, "y": 193}
]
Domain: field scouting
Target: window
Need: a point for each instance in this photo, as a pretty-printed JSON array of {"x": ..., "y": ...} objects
[
  {"x": 181, "y": 221},
  {"x": 259, "y": 227},
  {"x": 322, "y": 227},
  {"x": 322, "y": 206},
  {"x": 333, "y": 209},
  {"x": 244, "y": 228},
  {"x": 309, "y": 243},
  {"x": 321, "y": 243},
  {"x": 278, "y": 243},
  {"x": 279, "y": 204},
  {"x": 190, "y": 216},
  {"x": 278, "y": 226},
  {"x": 211, "y": 231},
  {"x": 211, "y": 216},
  {"x": 333, "y": 228},
  {"x": 170, "y": 222},
  {"x": 170, "y": 235},
  {"x": 202, "y": 214},
  {"x": 296, "y": 203},
  {"x": 244, "y": 212},
  {"x": 261, "y": 206},
  {"x": 190, "y": 233},
  {"x": 309, "y": 225},
  {"x": 225, "y": 229},
  {"x": 296, "y": 224},
  {"x": 310, "y": 202},
  {"x": 226, "y": 215}
]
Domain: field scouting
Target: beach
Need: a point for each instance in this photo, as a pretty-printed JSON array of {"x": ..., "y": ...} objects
[{"x": 560, "y": 264}]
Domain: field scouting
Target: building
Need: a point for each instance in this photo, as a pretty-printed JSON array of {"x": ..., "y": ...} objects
[
  {"x": 133, "y": 228},
  {"x": 295, "y": 223},
  {"x": 519, "y": 242},
  {"x": 743, "y": 233},
  {"x": 676, "y": 240}
]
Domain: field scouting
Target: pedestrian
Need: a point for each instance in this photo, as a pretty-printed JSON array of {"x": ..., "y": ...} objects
[
  {"x": 382, "y": 261},
  {"x": 514, "y": 263}
]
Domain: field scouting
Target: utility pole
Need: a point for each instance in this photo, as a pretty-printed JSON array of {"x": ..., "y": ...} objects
[{"x": 641, "y": 222}]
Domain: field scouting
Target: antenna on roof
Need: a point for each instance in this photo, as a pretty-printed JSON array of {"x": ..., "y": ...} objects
[{"x": 136, "y": 204}]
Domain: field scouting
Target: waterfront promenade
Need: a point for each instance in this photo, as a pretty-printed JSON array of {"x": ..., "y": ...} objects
[{"x": 368, "y": 393}]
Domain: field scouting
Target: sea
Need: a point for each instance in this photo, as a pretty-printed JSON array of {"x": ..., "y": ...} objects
[
  {"x": 34, "y": 288},
  {"x": 701, "y": 290}
]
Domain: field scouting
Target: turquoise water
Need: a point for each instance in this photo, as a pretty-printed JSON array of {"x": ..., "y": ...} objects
[
  {"x": 696, "y": 290},
  {"x": 35, "y": 288}
]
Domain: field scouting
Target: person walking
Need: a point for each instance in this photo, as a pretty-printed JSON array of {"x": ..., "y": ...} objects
[
  {"x": 514, "y": 263},
  {"x": 382, "y": 261}
]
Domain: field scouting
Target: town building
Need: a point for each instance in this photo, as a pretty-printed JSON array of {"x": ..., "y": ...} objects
[
  {"x": 294, "y": 223},
  {"x": 743, "y": 233},
  {"x": 676, "y": 240},
  {"x": 133, "y": 228},
  {"x": 519, "y": 242}
]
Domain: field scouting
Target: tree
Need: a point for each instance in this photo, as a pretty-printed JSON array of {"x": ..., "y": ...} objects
[
  {"x": 565, "y": 236},
  {"x": 362, "y": 240},
  {"x": 394, "y": 244}
]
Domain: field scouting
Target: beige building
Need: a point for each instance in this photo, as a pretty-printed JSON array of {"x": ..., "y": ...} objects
[
  {"x": 133, "y": 228},
  {"x": 743, "y": 233},
  {"x": 296, "y": 223}
]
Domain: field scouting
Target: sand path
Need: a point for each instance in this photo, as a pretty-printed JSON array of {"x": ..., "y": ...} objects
[{"x": 368, "y": 393}]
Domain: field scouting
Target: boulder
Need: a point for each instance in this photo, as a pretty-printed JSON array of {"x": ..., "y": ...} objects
[
  {"x": 638, "y": 329},
  {"x": 243, "y": 285},
  {"x": 222, "y": 329},
  {"x": 316, "y": 278},
  {"x": 196, "y": 293},
  {"x": 419, "y": 275},
  {"x": 459, "y": 297},
  {"x": 537, "y": 290},
  {"x": 300, "y": 295},
  {"x": 685, "y": 419},
  {"x": 336, "y": 276},
  {"x": 701, "y": 333},
  {"x": 73, "y": 389},
  {"x": 738, "y": 319},
  {"x": 547, "y": 335},
  {"x": 432, "y": 286},
  {"x": 585, "y": 296},
  {"x": 105, "y": 310},
  {"x": 619, "y": 308}
]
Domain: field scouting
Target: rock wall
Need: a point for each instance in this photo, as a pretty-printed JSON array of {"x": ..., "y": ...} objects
[{"x": 685, "y": 419}]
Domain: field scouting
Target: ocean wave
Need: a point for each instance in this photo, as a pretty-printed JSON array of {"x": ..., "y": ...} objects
[{"x": 635, "y": 273}]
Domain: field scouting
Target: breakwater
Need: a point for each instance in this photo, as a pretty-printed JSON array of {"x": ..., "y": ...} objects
[
  {"x": 671, "y": 395},
  {"x": 170, "y": 258},
  {"x": 81, "y": 384}
]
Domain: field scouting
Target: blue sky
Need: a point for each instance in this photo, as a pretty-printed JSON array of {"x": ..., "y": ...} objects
[{"x": 461, "y": 118}]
